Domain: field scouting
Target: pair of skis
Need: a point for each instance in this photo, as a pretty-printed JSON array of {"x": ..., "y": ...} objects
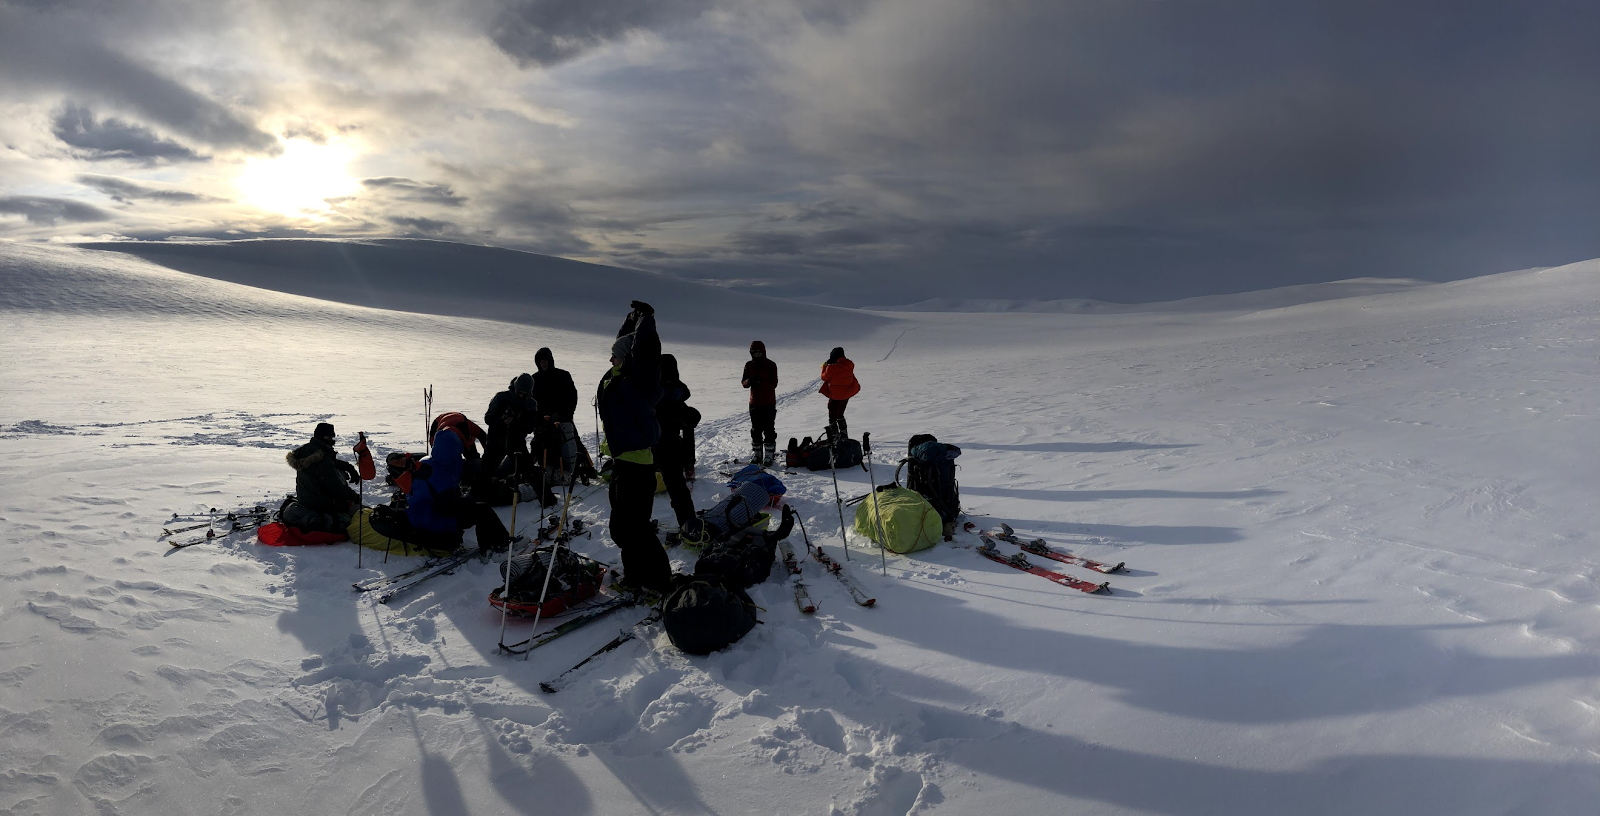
[
  {"x": 392, "y": 586},
  {"x": 239, "y": 521},
  {"x": 988, "y": 549},
  {"x": 1038, "y": 547}
]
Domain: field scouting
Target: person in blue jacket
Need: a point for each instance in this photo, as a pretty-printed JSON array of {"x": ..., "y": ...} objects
[
  {"x": 437, "y": 510},
  {"x": 627, "y": 398}
]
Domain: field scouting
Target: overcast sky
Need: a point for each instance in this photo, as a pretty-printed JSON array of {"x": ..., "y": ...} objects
[{"x": 855, "y": 151}]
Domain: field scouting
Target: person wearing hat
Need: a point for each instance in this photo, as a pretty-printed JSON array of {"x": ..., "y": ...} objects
[
  {"x": 512, "y": 415},
  {"x": 557, "y": 437},
  {"x": 838, "y": 385},
  {"x": 626, "y": 399},
  {"x": 761, "y": 377},
  {"x": 323, "y": 501}
]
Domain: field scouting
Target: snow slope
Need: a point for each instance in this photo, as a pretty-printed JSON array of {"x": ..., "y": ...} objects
[
  {"x": 1244, "y": 301},
  {"x": 1362, "y": 572}
]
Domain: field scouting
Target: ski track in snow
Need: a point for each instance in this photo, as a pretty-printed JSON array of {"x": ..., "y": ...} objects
[{"x": 1361, "y": 577}]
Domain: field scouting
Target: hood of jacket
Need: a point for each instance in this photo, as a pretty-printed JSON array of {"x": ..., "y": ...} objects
[
  {"x": 757, "y": 345},
  {"x": 309, "y": 454}
]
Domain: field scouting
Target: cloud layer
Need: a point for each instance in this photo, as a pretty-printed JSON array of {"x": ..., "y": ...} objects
[{"x": 851, "y": 151}]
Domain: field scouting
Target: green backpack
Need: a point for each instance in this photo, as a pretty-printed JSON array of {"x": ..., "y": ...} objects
[{"x": 909, "y": 521}]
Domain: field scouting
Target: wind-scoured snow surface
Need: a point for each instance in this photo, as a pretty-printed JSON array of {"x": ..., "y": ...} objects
[{"x": 1359, "y": 534}]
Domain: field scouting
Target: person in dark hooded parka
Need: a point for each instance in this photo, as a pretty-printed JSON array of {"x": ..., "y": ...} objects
[
  {"x": 674, "y": 453},
  {"x": 323, "y": 501},
  {"x": 512, "y": 415},
  {"x": 626, "y": 399},
  {"x": 761, "y": 377},
  {"x": 557, "y": 437}
]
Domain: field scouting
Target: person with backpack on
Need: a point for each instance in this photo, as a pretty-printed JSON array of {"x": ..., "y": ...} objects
[
  {"x": 436, "y": 510},
  {"x": 323, "y": 501},
  {"x": 512, "y": 415},
  {"x": 838, "y": 385},
  {"x": 626, "y": 399},
  {"x": 761, "y": 377},
  {"x": 557, "y": 436},
  {"x": 674, "y": 453}
]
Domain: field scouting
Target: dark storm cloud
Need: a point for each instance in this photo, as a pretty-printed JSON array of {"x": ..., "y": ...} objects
[
  {"x": 546, "y": 32},
  {"x": 424, "y": 226},
  {"x": 40, "y": 53},
  {"x": 48, "y": 211},
  {"x": 105, "y": 139},
  {"x": 125, "y": 191},
  {"x": 406, "y": 189}
]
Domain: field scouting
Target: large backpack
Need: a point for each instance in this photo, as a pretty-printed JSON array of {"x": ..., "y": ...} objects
[
  {"x": 931, "y": 470},
  {"x": 702, "y": 616},
  {"x": 738, "y": 512},
  {"x": 744, "y": 561},
  {"x": 573, "y": 579}
]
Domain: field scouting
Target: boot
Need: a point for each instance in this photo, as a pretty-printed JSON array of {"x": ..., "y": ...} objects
[
  {"x": 770, "y": 454},
  {"x": 755, "y": 454}
]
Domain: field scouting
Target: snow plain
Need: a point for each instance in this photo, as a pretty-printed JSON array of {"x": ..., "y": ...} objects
[{"x": 1359, "y": 533}]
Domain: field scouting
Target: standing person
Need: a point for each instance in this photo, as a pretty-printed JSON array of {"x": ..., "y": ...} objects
[
  {"x": 674, "y": 454},
  {"x": 558, "y": 401},
  {"x": 512, "y": 415},
  {"x": 323, "y": 500},
  {"x": 627, "y": 398},
  {"x": 838, "y": 385},
  {"x": 761, "y": 377}
]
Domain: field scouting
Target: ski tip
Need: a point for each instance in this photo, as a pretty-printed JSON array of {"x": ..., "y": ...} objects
[
  {"x": 870, "y": 602},
  {"x": 548, "y": 689},
  {"x": 1103, "y": 589},
  {"x": 808, "y": 609}
]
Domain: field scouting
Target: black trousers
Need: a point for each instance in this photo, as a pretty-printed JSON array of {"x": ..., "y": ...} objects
[
  {"x": 763, "y": 425},
  {"x": 633, "y": 493},
  {"x": 671, "y": 470}
]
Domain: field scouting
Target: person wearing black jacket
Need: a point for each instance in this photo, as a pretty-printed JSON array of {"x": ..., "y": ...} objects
[
  {"x": 323, "y": 501},
  {"x": 553, "y": 387},
  {"x": 626, "y": 398},
  {"x": 512, "y": 415},
  {"x": 674, "y": 453},
  {"x": 557, "y": 436}
]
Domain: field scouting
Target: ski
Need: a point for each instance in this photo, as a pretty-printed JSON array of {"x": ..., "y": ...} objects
[
  {"x": 1038, "y": 547},
  {"x": 371, "y": 584},
  {"x": 837, "y": 570},
  {"x": 589, "y": 615},
  {"x": 802, "y": 597},
  {"x": 1020, "y": 562},
  {"x": 446, "y": 565},
  {"x": 211, "y": 535},
  {"x": 561, "y": 680},
  {"x": 172, "y": 531}
]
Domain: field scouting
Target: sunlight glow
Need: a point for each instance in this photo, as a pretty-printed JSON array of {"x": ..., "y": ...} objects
[{"x": 298, "y": 182}]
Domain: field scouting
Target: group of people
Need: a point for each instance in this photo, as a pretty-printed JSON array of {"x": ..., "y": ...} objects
[
  {"x": 839, "y": 384},
  {"x": 643, "y": 410}
]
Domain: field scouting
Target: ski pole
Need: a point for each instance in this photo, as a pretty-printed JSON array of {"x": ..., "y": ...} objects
[
  {"x": 833, "y": 459},
  {"x": 883, "y": 537},
  {"x": 505, "y": 591},
  {"x": 361, "y": 509},
  {"x": 555, "y": 548}
]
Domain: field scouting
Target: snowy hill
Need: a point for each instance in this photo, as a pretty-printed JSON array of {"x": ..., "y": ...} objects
[
  {"x": 1280, "y": 297},
  {"x": 1359, "y": 538},
  {"x": 462, "y": 280}
]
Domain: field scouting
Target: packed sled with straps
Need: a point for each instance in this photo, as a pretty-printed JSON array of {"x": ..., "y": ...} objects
[{"x": 573, "y": 579}]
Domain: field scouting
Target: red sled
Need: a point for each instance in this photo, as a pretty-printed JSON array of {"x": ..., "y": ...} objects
[
  {"x": 278, "y": 534},
  {"x": 555, "y": 603}
]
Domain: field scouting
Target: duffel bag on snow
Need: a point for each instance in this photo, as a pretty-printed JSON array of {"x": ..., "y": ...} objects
[
  {"x": 703, "y": 616},
  {"x": 755, "y": 473},
  {"x": 278, "y": 534},
  {"x": 909, "y": 521},
  {"x": 827, "y": 454},
  {"x": 738, "y": 512}
]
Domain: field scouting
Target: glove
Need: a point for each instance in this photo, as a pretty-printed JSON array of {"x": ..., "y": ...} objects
[
  {"x": 642, "y": 308},
  {"x": 349, "y": 471}
]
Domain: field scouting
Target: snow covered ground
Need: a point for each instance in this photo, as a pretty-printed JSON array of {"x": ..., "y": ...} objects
[{"x": 1363, "y": 572}]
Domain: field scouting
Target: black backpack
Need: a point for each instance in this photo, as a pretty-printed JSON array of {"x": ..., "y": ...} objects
[
  {"x": 702, "y": 616},
  {"x": 931, "y": 470},
  {"x": 741, "y": 563}
]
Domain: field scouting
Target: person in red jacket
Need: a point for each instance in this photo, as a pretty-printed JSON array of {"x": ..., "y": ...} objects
[
  {"x": 761, "y": 377},
  {"x": 838, "y": 385}
]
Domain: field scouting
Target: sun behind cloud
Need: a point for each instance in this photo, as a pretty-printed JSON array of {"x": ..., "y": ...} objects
[{"x": 298, "y": 182}]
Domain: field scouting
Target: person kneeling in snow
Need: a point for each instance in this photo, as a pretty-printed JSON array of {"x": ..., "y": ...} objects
[
  {"x": 323, "y": 501},
  {"x": 436, "y": 510}
]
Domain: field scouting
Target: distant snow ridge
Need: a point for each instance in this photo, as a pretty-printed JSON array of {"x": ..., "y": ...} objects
[
  {"x": 439, "y": 277},
  {"x": 1243, "y": 301}
]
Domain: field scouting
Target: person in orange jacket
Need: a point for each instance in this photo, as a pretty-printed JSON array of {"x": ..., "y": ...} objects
[{"x": 838, "y": 385}]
